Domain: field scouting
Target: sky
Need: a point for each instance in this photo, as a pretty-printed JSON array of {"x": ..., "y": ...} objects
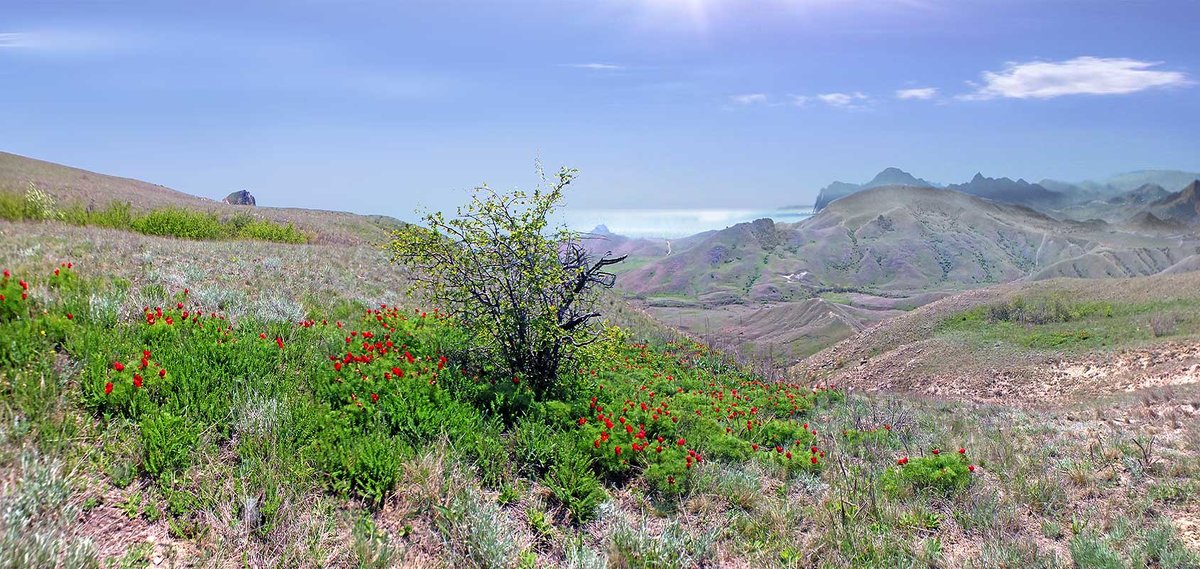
[{"x": 378, "y": 106}]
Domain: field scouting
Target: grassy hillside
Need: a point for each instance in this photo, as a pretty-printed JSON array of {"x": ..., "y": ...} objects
[
  {"x": 366, "y": 437},
  {"x": 88, "y": 190},
  {"x": 1037, "y": 333},
  {"x": 173, "y": 402}
]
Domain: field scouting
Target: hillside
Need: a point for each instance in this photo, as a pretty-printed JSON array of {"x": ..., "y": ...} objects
[
  {"x": 75, "y": 186},
  {"x": 243, "y": 403},
  {"x": 1055, "y": 342},
  {"x": 900, "y": 246}
]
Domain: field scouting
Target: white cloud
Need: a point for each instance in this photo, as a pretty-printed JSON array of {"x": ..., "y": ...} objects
[
  {"x": 920, "y": 93},
  {"x": 65, "y": 41},
  {"x": 597, "y": 66},
  {"x": 843, "y": 100},
  {"x": 1079, "y": 76},
  {"x": 750, "y": 99}
]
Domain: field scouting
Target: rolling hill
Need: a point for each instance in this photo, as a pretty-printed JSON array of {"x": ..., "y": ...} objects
[{"x": 75, "y": 186}]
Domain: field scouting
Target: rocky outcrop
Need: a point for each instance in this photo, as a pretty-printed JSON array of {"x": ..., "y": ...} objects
[{"x": 240, "y": 197}]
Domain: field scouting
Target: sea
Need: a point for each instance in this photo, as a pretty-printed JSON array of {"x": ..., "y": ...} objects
[{"x": 673, "y": 223}]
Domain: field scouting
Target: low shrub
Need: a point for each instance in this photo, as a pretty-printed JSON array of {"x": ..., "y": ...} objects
[
  {"x": 944, "y": 473},
  {"x": 572, "y": 483}
]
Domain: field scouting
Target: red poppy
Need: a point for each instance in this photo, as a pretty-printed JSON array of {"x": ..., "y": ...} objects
[
  {"x": 69, "y": 315},
  {"x": 617, "y": 450},
  {"x": 962, "y": 451},
  {"x": 971, "y": 467},
  {"x": 814, "y": 460},
  {"x": 279, "y": 341},
  {"x": 337, "y": 366},
  {"x": 162, "y": 373},
  {"x": 24, "y": 285},
  {"x": 118, "y": 366},
  {"x": 936, "y": 452},
  {"x": 788, "y": 454},
  {"x": 374, "y": 398},
  {"x": 681, "y": 442},
  {"x": 137, "y": 380},
  {"x": 108, "y": 388},
  {"x": 596, "y": 443}
]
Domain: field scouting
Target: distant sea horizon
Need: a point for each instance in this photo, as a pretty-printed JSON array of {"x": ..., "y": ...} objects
[{"x": 674, "y": 223}]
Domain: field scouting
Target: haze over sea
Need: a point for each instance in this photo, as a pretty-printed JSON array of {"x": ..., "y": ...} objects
[{"x": 673, "y": 223}]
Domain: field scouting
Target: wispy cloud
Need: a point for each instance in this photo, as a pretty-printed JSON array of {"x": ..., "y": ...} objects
[
  {"x": 596, "y": 66},
  {"x": 750, "y": 99},
  {"x": 64, "y": 41},
  {"x": 853, "y": 100},
  {"x": 918, "y": 93},
  {"x": 1079, "y": 76}
]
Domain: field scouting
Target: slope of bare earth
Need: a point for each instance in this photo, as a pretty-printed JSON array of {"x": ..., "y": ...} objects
[
  {"x": 75, "y": 186},
  {"x": 1144, "y": 336}
]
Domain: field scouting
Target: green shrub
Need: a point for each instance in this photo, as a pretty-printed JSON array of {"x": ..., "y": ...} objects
[
  {"x": 180, "y": 223},
  {"x": 572, "y": 483},
  {"x": 168, "y": 442},
  {"x": 944, "y": 473},
  {"x": 264, "y": 230},
  {"x": 534, "y": 446},
  {"x": 12, "y": 206}
]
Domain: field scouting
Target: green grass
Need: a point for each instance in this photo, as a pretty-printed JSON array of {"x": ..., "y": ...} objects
[
  {"x": 165, "y": 222},
  {"x": 1053, "y": 323},
  {"x": 355, "y": 435}
]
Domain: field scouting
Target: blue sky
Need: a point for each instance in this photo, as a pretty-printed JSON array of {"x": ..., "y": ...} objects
[{"x": 380, "y": 107}]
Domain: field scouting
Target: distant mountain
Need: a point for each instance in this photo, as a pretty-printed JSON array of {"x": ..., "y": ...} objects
[
  {"x": 1144, "y": 194},
  {"x": 1120, "y": 183},
  {"x": 888, "y": 177},
  {"x": 1007, "y": 190},
  {"x": 1181, "y": 207}
]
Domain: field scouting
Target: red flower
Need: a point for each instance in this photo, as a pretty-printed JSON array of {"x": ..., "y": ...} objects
[
  {"x": 936, "y": 452},
  {"x": 617, "y": 450},
  {"x": 262, "y": 336},
  {"x": 516, "y": 381},
  {"x": 902, "y": 461},
  {"x": 754, "y": 446},
  {"x": 971, "y": 467},
  {"x": 374, "y": 398},
  {"x": 337, "y": 366},
  {"x": 137, "y": 380},
  {"x": 962, "y": 451},
  {"x": 814, "y": 460},
  {"x": 162, "y": 373},
  {"x": 118, "y": 366},
  {"x": 681, "y": 442},
  {"x": 7, "y": 274},
  {"x": 409, "y": 357},
  {"x": 441, "y": 362},
  {"x": 788, "y": 454},
  {"x": 24, "y": 285},
  {"x": 279, "y": 341},
  {"x": 69, "y": 315},
  {"x": 814, "y": 450},
  {"x": 582, "y": 421},
  {"x": 596, "y": 443},
  {"x": 108, "y": 388}
]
